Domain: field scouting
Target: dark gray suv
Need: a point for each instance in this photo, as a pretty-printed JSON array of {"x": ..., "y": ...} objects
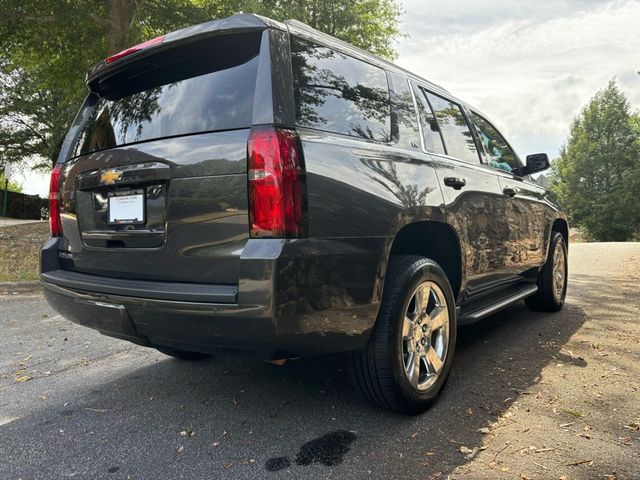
[{"x": 252, "y": 187}]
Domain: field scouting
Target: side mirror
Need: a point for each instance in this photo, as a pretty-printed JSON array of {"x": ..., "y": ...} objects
[{"x": 536, "y": 162}]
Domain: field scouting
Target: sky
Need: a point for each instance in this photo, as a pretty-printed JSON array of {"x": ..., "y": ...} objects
[{"x": 530, "y": 66}]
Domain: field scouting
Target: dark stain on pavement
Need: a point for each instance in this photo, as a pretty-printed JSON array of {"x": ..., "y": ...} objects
[
  {"x": 277, "y": 463},
  {"x": 329, "y": 450}
]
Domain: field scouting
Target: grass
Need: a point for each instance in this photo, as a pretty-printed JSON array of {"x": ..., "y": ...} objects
[{"x": 19, "y": 251}]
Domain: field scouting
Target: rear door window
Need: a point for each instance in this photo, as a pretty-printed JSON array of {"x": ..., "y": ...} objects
[
  {"x": 190, "y": 89},
  {"x": 499, "y": 154},
  {"x": 338, "y": 93},
  {"x": 456, "y": 133}
]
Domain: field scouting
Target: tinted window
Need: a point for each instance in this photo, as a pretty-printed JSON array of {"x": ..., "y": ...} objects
[
  {"x": 196, "y": 92},
  {"x": 455, "y": 130},
  {"x": 430, "y": 128},
  {"x": 337, "y": 93},
  {"x": 499, "y": 153},
  {"x": 404, "y": 121}
]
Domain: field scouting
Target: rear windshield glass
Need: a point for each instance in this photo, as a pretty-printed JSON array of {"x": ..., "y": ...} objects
[
  {"x": 197, "y": 88},
  {"x": 338, "y": 93}
]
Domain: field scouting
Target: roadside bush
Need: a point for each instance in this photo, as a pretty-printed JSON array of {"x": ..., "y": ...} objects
[{"x": 20, "y": 205}]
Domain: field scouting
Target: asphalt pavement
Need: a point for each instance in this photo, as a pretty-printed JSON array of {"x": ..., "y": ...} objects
[{"x": 526, "y": 391}]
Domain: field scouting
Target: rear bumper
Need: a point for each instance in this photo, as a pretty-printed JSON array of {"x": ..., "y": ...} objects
[
  {"x": 198, "y": 326},
  {"x": 294, "y": 298},
  {"x": 185, "y": 292}
]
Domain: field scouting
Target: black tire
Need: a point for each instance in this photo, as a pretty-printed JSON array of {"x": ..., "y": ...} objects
[
  {"x": 183, "y": 355},
  {"x": 378, "y": 372},
  {"x": 547, "y": 298}
]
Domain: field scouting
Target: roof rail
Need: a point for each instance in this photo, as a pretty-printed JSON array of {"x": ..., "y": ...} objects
[{"x": 317, "y": 33}]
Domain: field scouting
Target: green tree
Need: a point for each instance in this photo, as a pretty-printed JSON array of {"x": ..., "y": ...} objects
[
  {"x": 46, "y": 46},
  {"x": 597, "y": 176},
  {"x": 635, "y": 123},
  {"x": 13, "y": 186},
  {"x": 368, "y": 24}
]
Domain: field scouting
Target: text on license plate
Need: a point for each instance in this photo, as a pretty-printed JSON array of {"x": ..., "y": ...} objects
[{"x": 126, "y": 208}]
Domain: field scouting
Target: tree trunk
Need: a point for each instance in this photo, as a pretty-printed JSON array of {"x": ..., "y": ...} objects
[{"x": 119, "y": 16}]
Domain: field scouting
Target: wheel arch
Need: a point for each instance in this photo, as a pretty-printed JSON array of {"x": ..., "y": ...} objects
[
  {"x": 561, "y": 226},
  {"x": 435, "y": 240}
]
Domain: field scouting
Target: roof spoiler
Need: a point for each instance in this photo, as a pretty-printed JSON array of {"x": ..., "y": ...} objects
[{"x": 236, "y": 23}]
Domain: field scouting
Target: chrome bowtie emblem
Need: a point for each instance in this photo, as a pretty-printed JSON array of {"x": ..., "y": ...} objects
[{"x": 110, "y": 177}]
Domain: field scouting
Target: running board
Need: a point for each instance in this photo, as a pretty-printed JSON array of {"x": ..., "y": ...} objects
[{"x": 474, "y": 313}]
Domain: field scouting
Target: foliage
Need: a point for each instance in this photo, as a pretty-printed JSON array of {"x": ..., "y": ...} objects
[
  {"x": 597, "y": 176},
  {"x": 13, "y": 186},
  {"x": 635, "y": 123},
  {"x": 46, "y": 46},
  {"x": 368, "y": 24}
]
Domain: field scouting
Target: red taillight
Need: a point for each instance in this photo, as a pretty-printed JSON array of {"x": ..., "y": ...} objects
[
  {"x": 275, "y": 183},
  {"x": 134, "y": 49},
  {"x": 55, "y": 224}
]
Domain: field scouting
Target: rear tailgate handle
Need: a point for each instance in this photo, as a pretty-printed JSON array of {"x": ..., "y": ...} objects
[
  {"x": 124, "y": 175},
  {"x": 455, "y": 182}
]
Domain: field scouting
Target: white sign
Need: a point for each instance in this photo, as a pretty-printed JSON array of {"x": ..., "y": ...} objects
[
  {"x": 9, "y": 171},
  {"x": 126, "y": 209}
]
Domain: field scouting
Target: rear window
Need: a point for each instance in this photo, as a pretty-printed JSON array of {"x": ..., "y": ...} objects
[
  {"x": 204, "y": 86},
  {"x": 338, "y": 93}
]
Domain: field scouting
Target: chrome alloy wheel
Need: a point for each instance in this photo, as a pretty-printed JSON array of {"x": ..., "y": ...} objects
[
  {"x": 559, "y": 272},
  {"x": 425, "y": 335}
]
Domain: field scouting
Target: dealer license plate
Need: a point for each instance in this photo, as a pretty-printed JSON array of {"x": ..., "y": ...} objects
[{"x": 126, "y": 207}]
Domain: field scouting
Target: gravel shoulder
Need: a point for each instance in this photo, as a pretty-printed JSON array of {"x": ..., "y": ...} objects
[
  {"x": 578, "y": 416},
  {"x": 531, "y": 396}
]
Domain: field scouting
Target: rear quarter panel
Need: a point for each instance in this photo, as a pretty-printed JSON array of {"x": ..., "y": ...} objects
[{"x": 360, "y": 194}]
